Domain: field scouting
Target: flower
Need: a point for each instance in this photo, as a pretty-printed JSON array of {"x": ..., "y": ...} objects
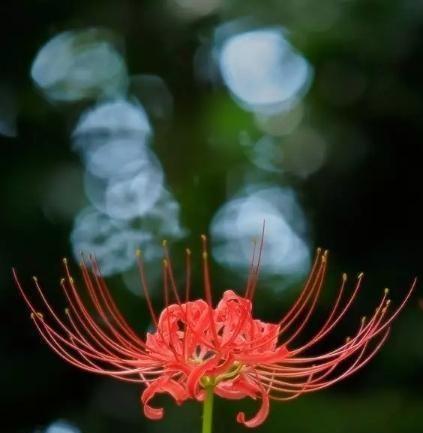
[{"x": 197, "y": 348}]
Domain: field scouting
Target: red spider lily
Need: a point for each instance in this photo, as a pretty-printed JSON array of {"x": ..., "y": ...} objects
[{"x": 197, "y": 348}]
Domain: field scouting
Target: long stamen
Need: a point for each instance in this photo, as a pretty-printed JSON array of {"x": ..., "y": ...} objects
[
  {"x": 140, "y": 265},
  {"x": 309, "y": 283},
  {"x": 98, "y": 302},
  {"x": 251, "y": 270},
  {"x": 109, "y": 303},
  {"x": 187, "y": 274},
  {"x": 207, "y": 287},
  {"x": 255, "y": 274},
  {"x": 170, "y": 272}
]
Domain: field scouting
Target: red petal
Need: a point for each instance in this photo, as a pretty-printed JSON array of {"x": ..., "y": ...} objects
[
  {"x": 161, "y": 386},
  {"x": 260, "y": 416},
  {"x": 197, "y": 373}
]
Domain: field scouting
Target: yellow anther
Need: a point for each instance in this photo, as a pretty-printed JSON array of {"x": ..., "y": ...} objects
[
  {"x": 363, "y": 319},
  {"x": 71, "y": 280},
  {"x": 62, "y": 280},
  {"x": 360, "y": 275},
  {"x": 205, "y": 255},
  {"x": 188, "y": 251},
  {"x": 164, "y": 242},
  {"x": 347, "y": 340},
  {"x": 165, "y": 263},
  {"x": 66, "y": 310},
  {"x": 39, "y": 315},
  {"x": 344, "y": 276},
  {"x": 138, "y": 252},
  {"x": 203, "y": 237},
  {"x": 388, "y": 303},
  {"x": 35, "y": 279},
  {"x": 386, "y": 291},
  {"x": 65, "y": 260}
]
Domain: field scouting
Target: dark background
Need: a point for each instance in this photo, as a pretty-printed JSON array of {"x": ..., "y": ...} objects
[{"x": 363, "y": 203}]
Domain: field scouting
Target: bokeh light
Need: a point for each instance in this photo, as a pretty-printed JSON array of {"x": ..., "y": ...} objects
[
  {"x": 132, "y": 193},
  {"x": 238, "y": 223},
  {"x": 80, "y": 64},
  {"x": 61, "y": 426},
  {"x": 124, "y": 181},
  {"x": 112, "y": 117},
  {"x": 113, "y": 242},
  {"x": 263, "y": 72}
]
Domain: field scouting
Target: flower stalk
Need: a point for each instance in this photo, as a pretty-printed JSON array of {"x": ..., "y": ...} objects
[{"x": 208, "y": 409}]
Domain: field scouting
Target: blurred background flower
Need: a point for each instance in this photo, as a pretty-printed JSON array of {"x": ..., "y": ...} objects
[{"x": 123, "y": 123}]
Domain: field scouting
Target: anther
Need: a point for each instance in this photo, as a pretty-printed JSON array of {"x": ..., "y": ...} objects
[
  {"x": 71, "y": 280},
  {"x": 164, "y": 242},
  {"x": 67, "y": 311},
  {"x": 35, "y": 279},
  {"x": 65, "y": 260},
  {"x": 388, "y": 303},
  {"x": 188, "y": 251},
  {"x": 344, "y": 276},
  {"x": 386, "y": 291},
  {"x": 165, "y": 263},
  {"x": 360, "y": 275},
  {"x": 363, "y": 319},
  {"x": 62, "y": 280},
  {"x": 138, "y": 252}
]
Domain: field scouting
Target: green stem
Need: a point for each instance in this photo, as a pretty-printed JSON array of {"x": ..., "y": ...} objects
[{"x": 208, "y": 410}]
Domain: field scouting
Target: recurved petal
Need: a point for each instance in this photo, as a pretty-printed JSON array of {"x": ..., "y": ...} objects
[
  {"x": 260, "y": 416},
  {"x": 161, "y": 386}
]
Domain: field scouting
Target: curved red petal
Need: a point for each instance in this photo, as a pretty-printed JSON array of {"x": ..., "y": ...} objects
[
  {"x": 260, "y": 416},
  {"x": 161, "y": 386},
  {"x": 193, "y": 380}
]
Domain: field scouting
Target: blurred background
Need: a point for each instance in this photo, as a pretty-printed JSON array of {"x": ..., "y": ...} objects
[{"x": 125, "y": 123}]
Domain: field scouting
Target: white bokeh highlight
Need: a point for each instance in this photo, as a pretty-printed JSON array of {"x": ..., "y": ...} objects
[
  {"x": 111, "y": 241},
  {"x": 113, "y": 116},
  {"x": 239, "y": 221},
  {"x": 61, "y": 426},
  {"x": 261, "y": 69},
  {"x": 80, "y": 64}
]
